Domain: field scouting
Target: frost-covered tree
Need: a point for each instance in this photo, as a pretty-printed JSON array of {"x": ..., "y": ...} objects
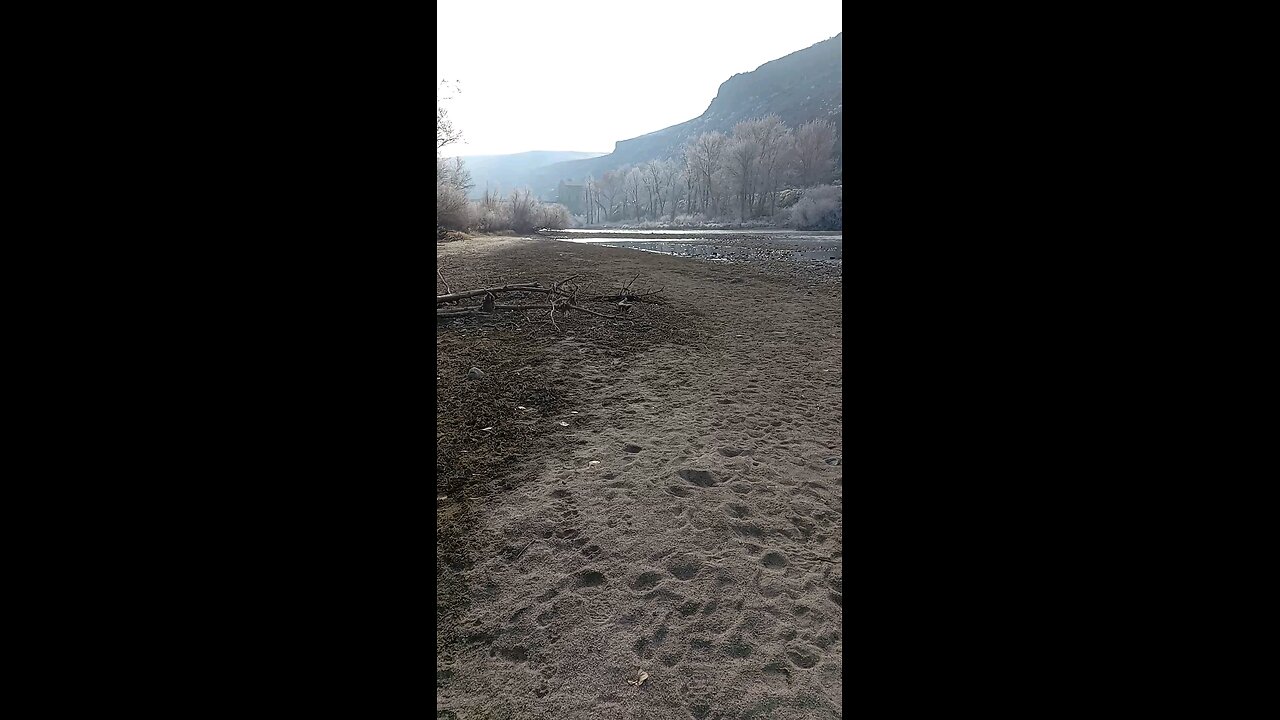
[
  {"x": 772, "y": 136},
  {"x": 815, "y": 148},
  {"x": 689, "y": 176},
  {"x": 632, "y": 182},
  {"x": 609, "y": 189},
  {"x": 743, "y": 156},
  {"x": 652, "y": 178},
  {"x": 524, "y": 210},
  {"x": 669, "y": 186},
  {"x": 708, "y": 155}
]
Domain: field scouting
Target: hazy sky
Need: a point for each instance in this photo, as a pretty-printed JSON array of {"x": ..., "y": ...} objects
[{"x": 583, "y": 74}]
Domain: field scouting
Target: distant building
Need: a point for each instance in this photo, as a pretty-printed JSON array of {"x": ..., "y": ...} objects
[{"x": 572, "y": 196}]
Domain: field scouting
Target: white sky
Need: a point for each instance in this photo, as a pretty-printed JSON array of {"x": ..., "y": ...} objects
[{"x": 583, "y": 74}]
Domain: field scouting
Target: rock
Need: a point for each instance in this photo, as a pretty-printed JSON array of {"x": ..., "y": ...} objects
[
  {"x": 474, "y": 374},
  {"x": 632, "y": 448}
]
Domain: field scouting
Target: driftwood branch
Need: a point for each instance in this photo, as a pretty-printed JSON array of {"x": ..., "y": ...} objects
[
  {"x": 441, "y": 299},
  {"x": 652, "y": 296},
  {"x": 593, "y": 312},
  {"x": 448, "y": 290},
  {"x": 564, "y": 297}
]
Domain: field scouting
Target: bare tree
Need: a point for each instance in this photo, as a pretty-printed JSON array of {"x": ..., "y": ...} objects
[
  {"x": 743, "y": 155},
  {"x": 446, "y": 133},
  {"x": 523, "y": 210},
  {"x": 452, "y": 209},
  {"x": 815, "y": 145},
  {"x": 773, "y": 137},
  {"x": 654, "y": 172},
  {"x": 689, "y": 172},
  {"x": 721, "y": 183},
  {"x": 708, "y": 159},
  {"x": 453, "y": 173},
  {"x": 632, "y": 184},
  {"x": 669, "y": 186},
  {"x": 610, "y": 189}
]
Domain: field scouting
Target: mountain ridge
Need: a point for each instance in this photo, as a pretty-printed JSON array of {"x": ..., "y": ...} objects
[{"x": 798, "y": 87}]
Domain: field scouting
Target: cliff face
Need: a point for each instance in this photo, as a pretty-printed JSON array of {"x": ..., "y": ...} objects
[{"x": 803, "y": 86}]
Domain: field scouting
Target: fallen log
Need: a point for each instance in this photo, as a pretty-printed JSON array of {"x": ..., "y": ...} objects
[{"x": 441, "y": 299}]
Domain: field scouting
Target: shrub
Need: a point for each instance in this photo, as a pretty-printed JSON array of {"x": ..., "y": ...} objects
[
  {"x": 819, "y": 209},
  {"x": 490, "y": 219},
  {"x": 453, "y": 212},
  {"x": 554, "y": 216},
  {"x": 524, "y": 211}
]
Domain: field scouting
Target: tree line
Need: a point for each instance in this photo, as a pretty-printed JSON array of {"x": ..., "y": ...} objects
[{"x": 744, "y": 175}]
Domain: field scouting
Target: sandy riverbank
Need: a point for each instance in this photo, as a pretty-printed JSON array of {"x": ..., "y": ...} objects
[{"x": 685, "y": 520}]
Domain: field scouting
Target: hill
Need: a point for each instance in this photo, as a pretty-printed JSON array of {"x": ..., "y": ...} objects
[
  {"x": 803, "y": 86},
  {"x": 505, "y": 172}
]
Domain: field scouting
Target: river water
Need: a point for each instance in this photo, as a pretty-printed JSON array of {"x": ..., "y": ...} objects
[{"x": 718, "y": 245}]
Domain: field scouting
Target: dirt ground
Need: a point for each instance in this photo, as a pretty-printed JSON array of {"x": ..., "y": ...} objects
[{"x": 667, "y": 500}]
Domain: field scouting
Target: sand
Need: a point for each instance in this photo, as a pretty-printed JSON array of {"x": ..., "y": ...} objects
[{"x": 684, "y": 520}]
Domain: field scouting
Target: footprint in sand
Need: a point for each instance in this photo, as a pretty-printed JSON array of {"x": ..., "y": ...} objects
[
  {"x": 777, "y": 670},
  {"x": 774, "y": 560},
  {"x": 646, "y": 581},
  {"x": 803, "y": 656},
  {"x": 590, "y": 578},
  {"x": 515, "y": 654},
  {"x": 701, "y": 478}
]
